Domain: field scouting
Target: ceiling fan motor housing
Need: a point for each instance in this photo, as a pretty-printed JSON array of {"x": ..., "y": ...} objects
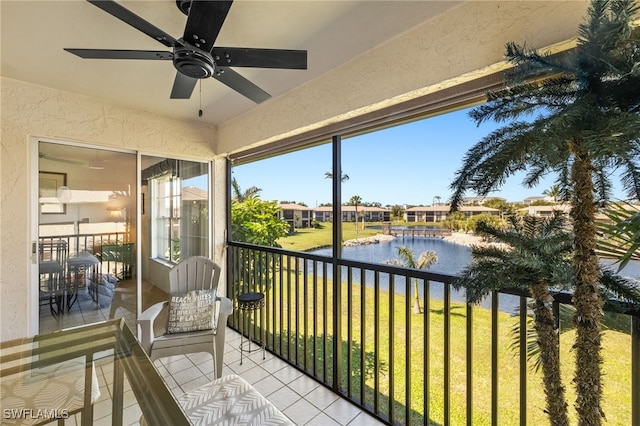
[
  {"x": 193, "y": 62},
  {"x": 184, "y": 6}
]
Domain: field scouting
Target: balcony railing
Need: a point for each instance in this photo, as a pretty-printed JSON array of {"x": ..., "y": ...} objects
[
  {"x": 116, "y": 256},
  {"x": 338, "y": 321}
]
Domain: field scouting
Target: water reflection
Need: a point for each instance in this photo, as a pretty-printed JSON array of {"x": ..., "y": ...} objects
[{"x": 452, "y": 259}]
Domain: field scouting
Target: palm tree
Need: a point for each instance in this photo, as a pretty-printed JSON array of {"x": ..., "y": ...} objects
[
  {"x": 407, "y": 260},
  {"x": 355, "y": 201},
  {"x": 239, "y": 195},
  {"x": 553, "y": 192},
  {"x": 329, "y": 175},
  {"x": 537, "y": 259},
  {"x": 585, "y": 124}
]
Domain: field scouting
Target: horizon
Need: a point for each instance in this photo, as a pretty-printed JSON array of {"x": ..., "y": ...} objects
[{"x": 430, "y": 149}]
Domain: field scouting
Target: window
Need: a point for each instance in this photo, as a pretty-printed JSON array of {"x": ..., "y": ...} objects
[
  {"x": 166, "y": 218},
  {"x": 179, "y": 203}
]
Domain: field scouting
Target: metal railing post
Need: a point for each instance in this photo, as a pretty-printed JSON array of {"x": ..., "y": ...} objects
[{"x": 337, "y": 254}]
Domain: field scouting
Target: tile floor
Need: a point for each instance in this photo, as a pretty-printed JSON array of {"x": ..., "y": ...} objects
[
  {"x": 299, "y": 397},
  {"x": 304, "y": 400}
]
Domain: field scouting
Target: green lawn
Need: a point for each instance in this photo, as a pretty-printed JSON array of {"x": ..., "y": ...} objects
[
  {"x": 309, "y": 340},
  {"x": 304, "y": 239}
]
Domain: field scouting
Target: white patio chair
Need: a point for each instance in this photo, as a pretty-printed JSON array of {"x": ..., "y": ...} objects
[{"x": 193, "y": 274}]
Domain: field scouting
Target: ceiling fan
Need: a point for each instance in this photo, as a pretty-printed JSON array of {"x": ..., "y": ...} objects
[
  {"x": 194, "y": 55},
  {"x": 60, "y": 159}
]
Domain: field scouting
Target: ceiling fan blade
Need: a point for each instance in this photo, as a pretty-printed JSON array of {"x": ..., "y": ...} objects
[
  {"x": 121, "y": 54},
  {"x": 205, "y": 21},
  {"x": 61, "y": 160},
  {"x": 125, "y": 15},
  {"x": 260, "y": 58},
  {"x": 241, "y": 84},
  {"x": 183, "y": 86}
]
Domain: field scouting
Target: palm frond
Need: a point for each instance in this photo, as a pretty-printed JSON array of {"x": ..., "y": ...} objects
[
  {"x": 620, "y": 289},
  {"x": 538, "y": 251},
  {"x": 630, "y": 177},
  {"x": 427, "y": 259},
  {"x": 532, "y": 347},
  {"x": 526, "y": 99},
  {"x": 620, "y": 238},
  {"x": 407, "y": 256},
  {"x": 488, "y": 164},
  {"x": 408, "y": 260},
  {"x": 531, "y": 63}
]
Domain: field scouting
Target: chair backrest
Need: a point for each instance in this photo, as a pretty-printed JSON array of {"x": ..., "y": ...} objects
[
  {"x": 53, "y": 250},
  {"x": 194, "y": 273}
]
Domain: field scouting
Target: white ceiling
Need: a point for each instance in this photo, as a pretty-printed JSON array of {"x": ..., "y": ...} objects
[{"x": 333, "y": 32}]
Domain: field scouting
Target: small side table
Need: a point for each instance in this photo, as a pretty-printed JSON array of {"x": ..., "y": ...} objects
[
  {"x": 250, "y": 302},
  {"x": 82, "y": 268}
]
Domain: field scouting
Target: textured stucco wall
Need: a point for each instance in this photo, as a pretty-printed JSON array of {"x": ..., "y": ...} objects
[
  {"x": 29, "y": 110},
  {"x": 463, "y": 40}
]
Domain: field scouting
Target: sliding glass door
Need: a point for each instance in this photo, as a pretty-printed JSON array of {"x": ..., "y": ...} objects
[
  {"x": 86, "y": 246},
  {"x": 102, "y": 250}
]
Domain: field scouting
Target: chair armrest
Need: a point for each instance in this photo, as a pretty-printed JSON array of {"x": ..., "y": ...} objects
[
  {"x": 145, "y": 323},
  {"x": 120, "y": 295},
  {"x": 225, "y": 309}
]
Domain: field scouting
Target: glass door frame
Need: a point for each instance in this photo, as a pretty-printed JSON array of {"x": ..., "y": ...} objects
[{"x": 33, "y": 316}]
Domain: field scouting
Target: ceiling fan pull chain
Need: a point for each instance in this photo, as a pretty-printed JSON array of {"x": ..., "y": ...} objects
[{"x": 200, "y": 110}]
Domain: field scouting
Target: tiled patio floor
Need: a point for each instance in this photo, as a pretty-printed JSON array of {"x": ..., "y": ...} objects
[{"x": 301, "y": 398}]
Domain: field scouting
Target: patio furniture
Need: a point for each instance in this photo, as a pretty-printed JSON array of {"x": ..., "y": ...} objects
[
  {"x": 52, "y": 286},
  {"x": 230, "y": 400},
  {"x": 82, "y": 270},
  {"x": 191, "y": 282},
  {"x": 123, "y": 297},
  {"x": 120, "y": 259},
  {"x": 52, "y": 258},
  {"x": 49, "y": 377},
  {"x": 250, "y": 302}
]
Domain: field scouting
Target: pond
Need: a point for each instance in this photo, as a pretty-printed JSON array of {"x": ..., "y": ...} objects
[{"x": 452, "y": 259}]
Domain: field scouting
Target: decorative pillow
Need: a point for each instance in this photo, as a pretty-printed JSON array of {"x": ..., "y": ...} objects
[{"x": 192, "y": 311}]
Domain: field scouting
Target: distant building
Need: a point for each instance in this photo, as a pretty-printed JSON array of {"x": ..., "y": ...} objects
[
  {"x": 296, "y": 215},
  {"x": 371, "y": 214},
  {"x": 601, "y": 217},
  {"x": 323, "y": 214},
  {"x": 545, "y": 211},
  {"x": 479, "y": 201},
  {"x": 441, "y": 212},
  {"x": 376, "y": 214},
  {"x": 531, "y": 200}
]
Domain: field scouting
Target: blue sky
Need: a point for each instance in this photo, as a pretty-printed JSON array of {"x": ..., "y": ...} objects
[{"x": 407, "y": 164}]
